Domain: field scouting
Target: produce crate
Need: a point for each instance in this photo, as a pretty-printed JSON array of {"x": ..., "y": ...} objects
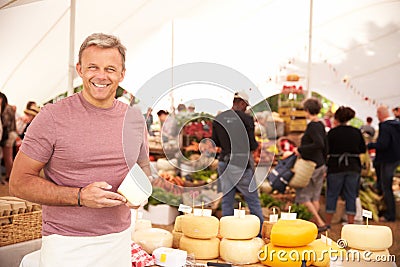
[{"x": 21, "y": 227}]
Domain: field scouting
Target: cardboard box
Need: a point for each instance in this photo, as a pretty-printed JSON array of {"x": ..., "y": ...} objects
[{"x": 162, "y": 214}]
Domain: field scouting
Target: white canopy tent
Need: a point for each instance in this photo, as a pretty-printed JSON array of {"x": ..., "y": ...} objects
[{"x": 355, "y": 44}]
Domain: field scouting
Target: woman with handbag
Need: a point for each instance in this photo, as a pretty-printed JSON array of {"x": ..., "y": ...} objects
[
  {"x": 313, "y": 147},
  {"x": 346, "y": 143}
]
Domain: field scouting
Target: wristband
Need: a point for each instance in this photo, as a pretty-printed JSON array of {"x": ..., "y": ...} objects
[{"x": 79, "y": 196}]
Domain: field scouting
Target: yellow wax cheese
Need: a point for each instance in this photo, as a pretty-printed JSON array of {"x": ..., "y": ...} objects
[
  {"x": 293, "y": 233},
  {"x": 240, "y": 251},
  {"x": 202, "y": 249},
  {"x": 323, "y": 252},
  {"x": 239, "y": 228},
  {"x": 202, "y": 227}
]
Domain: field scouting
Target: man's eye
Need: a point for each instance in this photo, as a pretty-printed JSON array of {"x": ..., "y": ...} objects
[
  {"x": 92, "y": 67},
  {"x": 111, "y": 70}
]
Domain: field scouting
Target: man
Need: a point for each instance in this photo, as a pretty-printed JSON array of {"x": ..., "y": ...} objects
[
  {"x": 387, "y": 149},
  {"x": 396, "y": 113},
  {"x": 233, "y": 132},
  {"x": 80, "y": 143},
  {"x": 368, "y": 129}
]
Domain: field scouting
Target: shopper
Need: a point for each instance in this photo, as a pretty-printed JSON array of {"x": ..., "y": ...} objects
[
  {"x": 80, "y": 143},
  {"x": 233, "y": 132},
  {"x": 9, "y": 134},
  {"x": 387, "y": 148},
  {"x": 368, "y": 129},
  {"x": 313, "y": 147},
  {"x": 345, "y": 143}
]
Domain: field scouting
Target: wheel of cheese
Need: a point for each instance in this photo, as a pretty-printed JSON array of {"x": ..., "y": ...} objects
[
  {"x": 363, "y": 237},
  {"x": 150, "y": 239},
  {"x": 323, "y": 251},
  {"x": 240, "y": 251},
  {"x": 239, "y": 228},
  {"x": 141, "y": 224},
  {"x": 202, "y": 227},
  {"x": 178, "y": 223},
  {"x": 293, "y": 233},
  {"x": 284, "y": 257},
  {"x": 202, "y": 249},
  {"x": 176, "y": 238}
]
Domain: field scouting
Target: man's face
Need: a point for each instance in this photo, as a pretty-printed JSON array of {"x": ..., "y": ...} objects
[{"x": 101, "y": 72}]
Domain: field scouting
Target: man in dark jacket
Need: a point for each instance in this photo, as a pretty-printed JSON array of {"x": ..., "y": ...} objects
[
  {"x": 233, "y": 132},
  {"x": 387, "y": 149}
]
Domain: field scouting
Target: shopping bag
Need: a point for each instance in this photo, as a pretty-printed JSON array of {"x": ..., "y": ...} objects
[
  {"x": 280, "y": 176},
  {"x": 303, "y": 170}
]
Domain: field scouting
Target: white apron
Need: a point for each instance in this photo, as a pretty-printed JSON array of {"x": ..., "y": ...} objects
[{"x": 111, "y": 250}]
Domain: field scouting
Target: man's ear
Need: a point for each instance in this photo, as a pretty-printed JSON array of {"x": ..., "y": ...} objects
[{"x": 78, "y": 68}]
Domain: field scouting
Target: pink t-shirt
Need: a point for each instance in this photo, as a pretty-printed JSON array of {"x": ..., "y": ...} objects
[{"x": 82, "y": 144}]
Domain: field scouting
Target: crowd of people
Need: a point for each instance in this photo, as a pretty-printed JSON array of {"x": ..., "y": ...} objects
[{"x": 85, "y": 162}]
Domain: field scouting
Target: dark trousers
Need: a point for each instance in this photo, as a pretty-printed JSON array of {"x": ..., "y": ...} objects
[{"x": 387, "y": 170}]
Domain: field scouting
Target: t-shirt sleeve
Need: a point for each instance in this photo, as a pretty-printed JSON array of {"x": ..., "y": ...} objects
[{"x": 40, "y": 137}]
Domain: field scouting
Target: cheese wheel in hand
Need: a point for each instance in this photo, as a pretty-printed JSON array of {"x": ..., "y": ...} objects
[
  {"x": 371, "y": 237},
  {"x": 240, "y": 251},
  {"x": 293, "y": 233},
  {"x": 150, "y": 239},
  {"x": 202, "y": 249},
  {"x": 239, "y": 228},
  {"x": 202, "y": 227},
  {"x": 285, "y": 257}
]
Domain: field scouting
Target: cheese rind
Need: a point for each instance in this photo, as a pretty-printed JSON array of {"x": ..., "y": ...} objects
[
  {"x": 176, "y": 238},
  {"x": 178, "y": 223},
  {"x": 202, "y": 249},
  {"x": 323, "y": 252},
  {"x": 239, "y": 228},
  {"x": 202, "y": 227},
  {"x": 367, "y": 237},
  {"x": 150, "y": 239},
  {"x": 293, "y": 233},
  {"x": 240, "y": 251}
]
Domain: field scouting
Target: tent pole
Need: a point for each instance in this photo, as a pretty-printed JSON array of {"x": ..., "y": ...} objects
[
  {"x": 71, "y": 67},
  {"x": 309, "y": 50}
]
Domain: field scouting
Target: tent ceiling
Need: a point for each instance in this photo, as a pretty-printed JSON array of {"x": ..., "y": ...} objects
[{"x": 357, "y": 41}]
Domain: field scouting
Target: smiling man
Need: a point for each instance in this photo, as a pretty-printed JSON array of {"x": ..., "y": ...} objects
[{"x": 79, "y": 143}]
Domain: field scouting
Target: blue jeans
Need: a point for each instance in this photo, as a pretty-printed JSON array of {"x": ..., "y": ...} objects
[
  {"x": 342, "y": 183},
  {"x": 232, "y": 179},
  {"x": 387, "y": 170}
]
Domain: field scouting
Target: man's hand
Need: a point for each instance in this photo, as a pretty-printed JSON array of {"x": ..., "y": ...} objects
[{"x": 97, "y": 195}]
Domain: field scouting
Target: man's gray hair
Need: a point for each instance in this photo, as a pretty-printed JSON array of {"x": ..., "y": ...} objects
[{"x": 104, "y": 41}]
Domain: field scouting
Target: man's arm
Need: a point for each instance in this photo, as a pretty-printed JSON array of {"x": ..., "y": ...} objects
[{"x": 26, "y": 183}]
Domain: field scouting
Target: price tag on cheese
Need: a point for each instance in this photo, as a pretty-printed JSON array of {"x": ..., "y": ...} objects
[
  {"x": 367, "y": 214},
  {"x": 288, "y": 215},
  {"x": 184, "y": 208},
  {"x": 273, "y": 217},
  {"x": 326, "y": 240},
  {"x": 202, "y": 212},
  {"x": 239, "y": 213}
]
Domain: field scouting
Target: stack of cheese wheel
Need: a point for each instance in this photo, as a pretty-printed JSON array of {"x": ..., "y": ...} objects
[
  {"x": 289, "y": 243},
  {"x": 322, "y": 251},
  {"x": 240, "y": 244},
  {"x": 200, "y": 236},
  {"x": 368, "y": 245},
  {"x": 177, "y": 231}
]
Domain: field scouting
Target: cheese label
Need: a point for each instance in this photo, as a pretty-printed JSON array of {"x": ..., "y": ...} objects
[
  {"x": 326, "y": 240},
  {"x": 273, "y": 218},
  {"x": 184, "y": 208},
  {"x": 163, "y": 257},
  {"x": 367, "y": 214},
  {"x": 202, "y": 212},
  {"x": 288, "y": 215},
  {"x": 239, "y": 213}
]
